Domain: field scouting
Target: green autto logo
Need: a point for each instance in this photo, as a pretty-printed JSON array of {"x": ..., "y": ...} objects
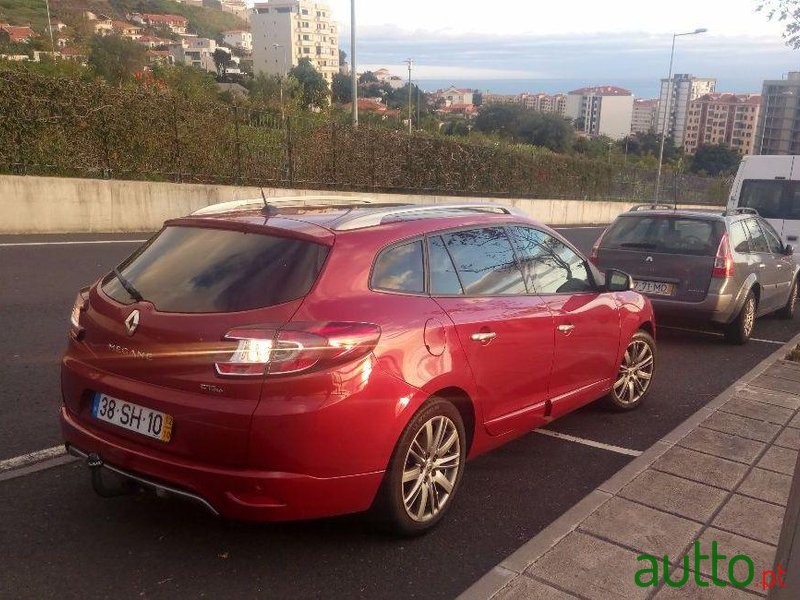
[{"x": 651, "y": 576}]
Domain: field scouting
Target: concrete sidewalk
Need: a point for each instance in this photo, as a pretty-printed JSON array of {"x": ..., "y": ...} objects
[{"x": 722, "y": 476}]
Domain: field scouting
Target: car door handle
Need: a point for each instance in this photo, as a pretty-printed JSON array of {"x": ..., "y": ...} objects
[
  {"x": 566, "y": 329},
  {"x": 483, "y": 336}
]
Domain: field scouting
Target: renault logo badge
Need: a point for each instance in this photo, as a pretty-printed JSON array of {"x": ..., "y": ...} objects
[
  {"x": 648, "y": 259},
  {"x": 132, "y": 322}
]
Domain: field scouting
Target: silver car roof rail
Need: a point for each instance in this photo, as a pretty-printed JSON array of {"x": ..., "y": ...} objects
[
  {"x": 280, "y": 202},
  {"x": 398, "y": 213},
  {"x": 741, "y": 210},
  {"x": 651, "y": 207}
]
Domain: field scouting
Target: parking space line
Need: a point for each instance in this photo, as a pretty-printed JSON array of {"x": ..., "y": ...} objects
[
  {"x": 715, "y": 334},
  {"x": 592, "y": 443},
  {"x": 32, "y": 457},
  {"x": 10, "y": 244}
]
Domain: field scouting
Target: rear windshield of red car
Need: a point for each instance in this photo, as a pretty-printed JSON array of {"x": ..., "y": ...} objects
[
  {"x": 665, "y": 234},
  {"x": 203, "y": 270}
]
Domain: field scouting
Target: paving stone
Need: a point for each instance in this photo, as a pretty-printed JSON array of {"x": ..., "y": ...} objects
[
  {"x": 757, "y": 410},
  {"x": 525, "y": 588},
  {"x": 745, "y": 427},
  {"x": 767, "y": 485},
  {"x": 784, "y": 370},
  {"x": 779, "y": 459},
  {"x": 692, "y": 591},
  {"x": 769, "y": 397},
  {"x": 704, "y": 468},
  {"x": 795, "y": 422},
  {"x": 590, "y": 567},
  {"x": 752, "y": 518},
  {"x": 723, "y": 445},
  {"x": 674, "y": 494},
  {"x": 789, "y": 438},
  {"x": 641, "y": 528},
  {"x": 776, "y": 383},
  {"x": 730, "y": 545}
]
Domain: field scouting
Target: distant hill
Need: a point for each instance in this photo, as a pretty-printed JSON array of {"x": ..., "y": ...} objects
[{"x": 206, "y": 22}]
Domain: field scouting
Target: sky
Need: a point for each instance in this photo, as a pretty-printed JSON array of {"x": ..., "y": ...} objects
[{"x": 505, "y": 44}]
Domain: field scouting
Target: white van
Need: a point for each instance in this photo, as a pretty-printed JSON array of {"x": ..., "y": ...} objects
[{"x": 771, "y": 185}]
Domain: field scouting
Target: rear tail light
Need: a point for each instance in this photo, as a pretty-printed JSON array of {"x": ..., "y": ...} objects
[
  {"x": 723, "y": 261},
  {"x": 593, "y": 257},
  {"x": 79, "y": 307},
  {"x": 265, "y": 350}
]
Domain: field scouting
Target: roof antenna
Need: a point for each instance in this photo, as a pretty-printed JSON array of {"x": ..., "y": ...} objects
[{"x": 264, "y": 198}]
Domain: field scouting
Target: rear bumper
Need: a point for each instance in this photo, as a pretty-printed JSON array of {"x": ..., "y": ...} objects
[
  {"x": 240, "y": 494},
  {"x": 715, "y": 308}
]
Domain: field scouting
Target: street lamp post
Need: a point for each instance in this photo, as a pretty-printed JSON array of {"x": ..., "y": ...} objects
[
  {"x": 667, "y": 107},
  {"x": 354, "y": 75},
  {"x": 410, "y": 63},
  {"x": 282, "y": 74}
]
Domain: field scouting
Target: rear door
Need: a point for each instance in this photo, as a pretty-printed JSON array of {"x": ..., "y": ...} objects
[
  {"x": 669, "y": 256},
  {"x": 506, "y": 333},
  {"x": 586, "y": 320}
]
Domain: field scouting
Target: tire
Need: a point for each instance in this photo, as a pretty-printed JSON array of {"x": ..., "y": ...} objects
[
  {"x": 398, "y": 508},
  {"x": 741, "y": 328},
  {"x": 635, "y": 373},
  {"x": 787, "y": 312}
]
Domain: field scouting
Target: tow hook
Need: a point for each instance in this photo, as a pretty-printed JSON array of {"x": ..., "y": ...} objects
[{"x": 120, "y": 486}]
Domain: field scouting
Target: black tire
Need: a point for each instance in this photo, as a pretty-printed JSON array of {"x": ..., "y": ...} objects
[
  {"x": 389, "y": 508},
  {"x": 741, "y": 328},
  {"x": 787, "y": 312},
  {"x": 635, "y": 374}
]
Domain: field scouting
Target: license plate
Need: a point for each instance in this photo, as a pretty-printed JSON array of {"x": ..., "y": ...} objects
[
  {"x": 130, "y": 416},
  {"x": 656, "y": 288}
]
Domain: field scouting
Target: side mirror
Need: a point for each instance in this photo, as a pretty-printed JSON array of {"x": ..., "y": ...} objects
[
  {"x": 618, "y": 281},
  {"x": 788, "y": 250}
]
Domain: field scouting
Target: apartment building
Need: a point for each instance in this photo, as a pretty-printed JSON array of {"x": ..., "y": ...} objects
[
  {"x": 489, "y": 98},
  {"x": 545, "y": 103},
  {"x": 722, "y": 119},
  {"x": 284, "y": 31},
  {"x": 454, "y": 95},
  {"x": 601, "y": 110},
  {"x": 674, "y": 99},
  {"x": 778, "y": 130},
  {"x": 645, "y": 113},
  {"x": 195, "y": 52},
  {"x": 238, "y": 38}
]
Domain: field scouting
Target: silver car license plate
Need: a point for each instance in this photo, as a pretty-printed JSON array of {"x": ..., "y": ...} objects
[{"x": 655, "y": 288}]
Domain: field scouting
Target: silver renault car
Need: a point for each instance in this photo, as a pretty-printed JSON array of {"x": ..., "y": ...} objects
[{"x": 721, "y": 268}]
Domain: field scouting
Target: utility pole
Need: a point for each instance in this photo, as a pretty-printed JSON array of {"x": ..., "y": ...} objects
[
  {"x": 410, "y": 62},
  {"x": 50, "y": 27},
  {"x": 282, "y": 75},
  {"x": 353, "y": 73}
]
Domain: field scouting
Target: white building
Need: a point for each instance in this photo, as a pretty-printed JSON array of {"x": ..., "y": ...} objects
[
  {"x": 603, "y": 110},
  {"x": 195, "y": 52},
  {"x": 454, "y": 95},
  {"x": 676, "y": 96},
  {"x": 384, "y": 76},
  {"x": 644, "y": 117},
  {"x": 238, "y": 8},
  {"x": 284, "y": 31},
  {"x": 239, "y": 38}
]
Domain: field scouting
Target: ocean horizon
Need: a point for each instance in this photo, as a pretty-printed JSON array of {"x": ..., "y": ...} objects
[{"x": 641, "y": 88}]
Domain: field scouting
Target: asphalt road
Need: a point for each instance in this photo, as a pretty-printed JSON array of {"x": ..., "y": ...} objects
[{"x": 57, "y": 539}]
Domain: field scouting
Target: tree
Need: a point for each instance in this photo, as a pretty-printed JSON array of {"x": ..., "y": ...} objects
[
  {"x": 341, "y": 89},
  {"x": 477, "y": 97},
  {"x": 522, "y": 125},
  {"x": 342, "y": 58},
  {"x": 786, "y": 12},
  {"x": 716, "y": 159},
  {"x": 115, "y": 59},
  {"x": 269, "y": 89},
  {"x": 313, "y": 85},
  {"x": 222, "y": 61},
  {"x": 367, "y": 77}
]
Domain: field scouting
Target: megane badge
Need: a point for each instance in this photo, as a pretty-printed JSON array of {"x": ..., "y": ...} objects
[
  {"x": 132, "y": 322},
  {"x": 648, "y": 259}
]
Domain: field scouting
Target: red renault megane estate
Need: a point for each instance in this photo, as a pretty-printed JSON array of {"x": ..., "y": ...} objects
[{"x": 303, "y": 358}]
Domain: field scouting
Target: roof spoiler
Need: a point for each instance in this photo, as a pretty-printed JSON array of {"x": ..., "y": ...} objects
[{"x": 652, "y": 207}]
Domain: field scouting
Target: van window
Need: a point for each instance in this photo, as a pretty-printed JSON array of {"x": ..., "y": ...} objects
[
  {"x": 765, "y": 195},
  {"x": 399, "y": 269},
  {"x": 485, "y": 262},
  {"x": 204, "y": 270}
]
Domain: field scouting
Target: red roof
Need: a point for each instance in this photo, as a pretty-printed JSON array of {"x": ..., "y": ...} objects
[
  {"x": 602, "y": 90},
  {"x": 459, "y": 108},
  {"x": 18, "y": 34},
  {"x": 168, "y": 19},
  {"x": 370, "y": 105},
  {"x": 730, "y": 98},
  {"x": 72, "y": 52}
]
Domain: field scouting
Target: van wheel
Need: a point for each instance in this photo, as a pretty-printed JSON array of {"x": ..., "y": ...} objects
[
  {"x": 424, "y": 472},
  {"x": 740, "y": 330},
  {"x": 787, "y": 312},
  {"x": 635, "y": 373}
]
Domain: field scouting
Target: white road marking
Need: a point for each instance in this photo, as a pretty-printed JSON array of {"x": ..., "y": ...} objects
[
  {"x": 715, "y": 334},
  {"x": 592, "y": 443},
  {"x": 32, "y": 457},
  {"x": 10, "y": 244}
]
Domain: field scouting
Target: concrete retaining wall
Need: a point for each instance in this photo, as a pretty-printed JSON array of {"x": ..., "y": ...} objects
[{"x": 66, "y": 205}]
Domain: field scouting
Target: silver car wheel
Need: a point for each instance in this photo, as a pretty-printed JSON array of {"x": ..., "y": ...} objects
[
  {"x": 431, "y": 468},
  {"x": 635, "y": 372}
]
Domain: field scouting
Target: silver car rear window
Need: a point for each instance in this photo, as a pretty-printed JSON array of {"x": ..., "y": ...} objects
[{"x": 665, "y": 234}]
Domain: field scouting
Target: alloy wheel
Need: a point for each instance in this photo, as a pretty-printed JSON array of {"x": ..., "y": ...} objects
[
  {"x": 749, "y": 317},
  {"x": 431, "y": 468},
  {"x": 635, "y": 372}
]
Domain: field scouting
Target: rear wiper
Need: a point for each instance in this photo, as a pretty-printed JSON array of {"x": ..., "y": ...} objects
[
  {"x": 132, "y": 291},
  {"x": 637, "y": 245}
]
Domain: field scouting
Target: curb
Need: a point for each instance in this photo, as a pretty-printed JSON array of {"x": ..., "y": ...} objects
[{"x": 513, "y": 565}]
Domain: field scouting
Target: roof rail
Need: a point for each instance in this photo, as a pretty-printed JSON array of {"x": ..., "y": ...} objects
[
  {"x": 741, "y": 210},
  {"x": 652, "y": 207},
  {"x": 399, "y": 213},
  {"x": 279, "y": 202}
]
